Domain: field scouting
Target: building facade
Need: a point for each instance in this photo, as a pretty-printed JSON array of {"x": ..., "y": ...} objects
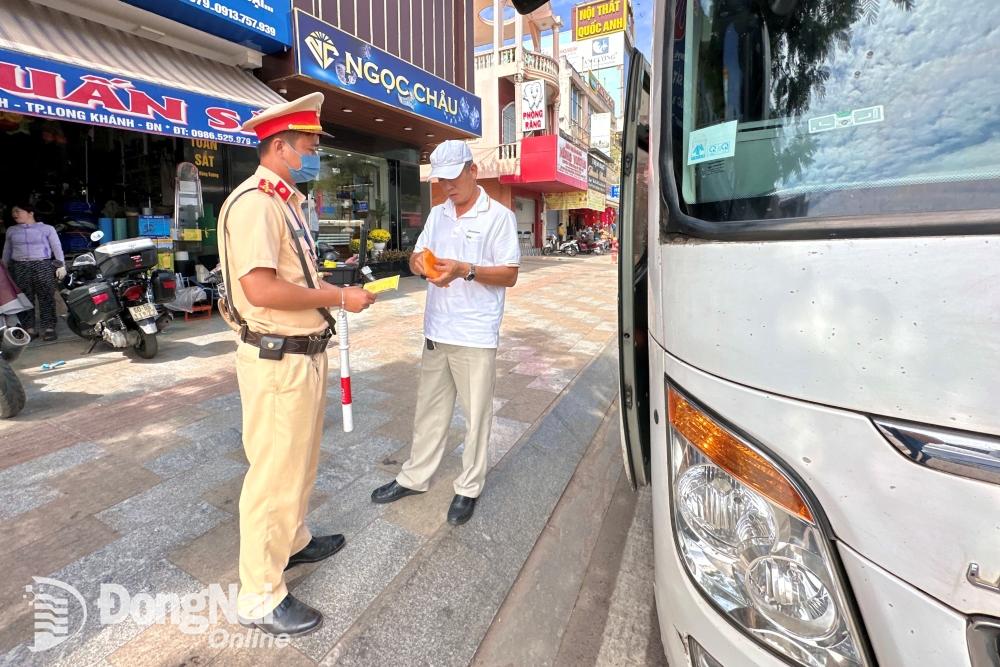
[
  {"x": 520, "y": 154},
  {"x": 586, "y": 115},
  {"x": 102, "y": 101},
  {"x": 398, "y": 80},
  {"x": 549, "y": 144}
]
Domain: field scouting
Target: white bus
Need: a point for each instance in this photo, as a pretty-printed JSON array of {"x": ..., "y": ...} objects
[{"x": 810, "y": 329}]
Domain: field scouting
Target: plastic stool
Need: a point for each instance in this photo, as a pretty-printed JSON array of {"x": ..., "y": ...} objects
[{"x": 201, "y": 311}]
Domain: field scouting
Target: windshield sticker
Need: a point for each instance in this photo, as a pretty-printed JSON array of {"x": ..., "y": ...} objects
[
  {"x": 711, "y": 168},
  {"x": 712, "y": 143},
  {"x": 845, "y": 119}
]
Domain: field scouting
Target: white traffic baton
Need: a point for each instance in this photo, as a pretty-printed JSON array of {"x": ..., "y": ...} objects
[
  {"x": 345, "y": 371},
  {"x": 345, "y": 360}
]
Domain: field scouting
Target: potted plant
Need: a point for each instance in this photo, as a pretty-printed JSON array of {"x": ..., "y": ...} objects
[
  {"x": 378, "y": 210},
  {"x": 393, "y": 262},
  {"x": 379, "y": 237},
  {"x": 356, "y": 245}
]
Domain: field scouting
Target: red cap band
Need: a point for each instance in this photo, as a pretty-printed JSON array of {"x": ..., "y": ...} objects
[{"x": 304, "y": 121}]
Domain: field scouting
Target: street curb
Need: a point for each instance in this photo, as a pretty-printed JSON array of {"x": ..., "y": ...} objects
[{"x": 472, "y": 568}]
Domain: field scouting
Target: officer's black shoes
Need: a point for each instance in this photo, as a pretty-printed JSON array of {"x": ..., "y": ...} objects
[
  {"x": 461, "y": 509},
  {"x": 319, "y": 548},
  {"x": 291, "y": 617},
  {"x": 391, "y": 492}
]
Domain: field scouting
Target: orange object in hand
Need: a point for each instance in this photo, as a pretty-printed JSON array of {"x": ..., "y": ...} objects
[{"x": 429, "y": 261}]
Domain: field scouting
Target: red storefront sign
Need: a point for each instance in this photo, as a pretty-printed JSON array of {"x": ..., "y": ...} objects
[{"x": 550, "y": 164}]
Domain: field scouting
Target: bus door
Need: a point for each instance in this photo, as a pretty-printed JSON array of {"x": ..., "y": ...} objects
[{"x": 633, "y": 233}]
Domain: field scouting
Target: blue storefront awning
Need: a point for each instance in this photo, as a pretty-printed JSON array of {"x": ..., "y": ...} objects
[{"x": 60, "y": 66}]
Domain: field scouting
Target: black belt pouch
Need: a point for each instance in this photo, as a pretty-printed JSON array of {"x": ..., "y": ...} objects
[{"x": 272, "y": 347}]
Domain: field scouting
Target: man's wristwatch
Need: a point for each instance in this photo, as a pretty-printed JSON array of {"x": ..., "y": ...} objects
[{"x": 471, "y": 275}]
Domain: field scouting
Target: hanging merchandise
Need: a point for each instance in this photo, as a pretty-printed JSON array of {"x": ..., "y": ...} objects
[{"x": 188, "y": 203}]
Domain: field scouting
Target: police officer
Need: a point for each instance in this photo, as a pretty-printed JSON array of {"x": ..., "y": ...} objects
[{"x": 280, "y": 305}]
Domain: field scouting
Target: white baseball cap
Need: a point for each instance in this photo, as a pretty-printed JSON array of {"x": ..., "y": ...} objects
[{"x": 449, "y": 158}]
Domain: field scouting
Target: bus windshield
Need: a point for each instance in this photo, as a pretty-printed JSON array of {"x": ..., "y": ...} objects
[{"x": 818, "y": 108}]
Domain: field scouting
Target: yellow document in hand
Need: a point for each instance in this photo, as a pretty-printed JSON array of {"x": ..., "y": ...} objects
[{"x": 383, "y": 284}]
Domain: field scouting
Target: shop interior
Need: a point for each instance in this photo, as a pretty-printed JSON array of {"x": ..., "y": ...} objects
[
  {"x": 75, "y": 175},
  {"x": 352, "y": 189}
]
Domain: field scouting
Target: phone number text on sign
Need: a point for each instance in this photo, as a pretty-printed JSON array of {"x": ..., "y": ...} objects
[
  {"x": 214, "y": 136},
  {"x": 236, "y": 15}
]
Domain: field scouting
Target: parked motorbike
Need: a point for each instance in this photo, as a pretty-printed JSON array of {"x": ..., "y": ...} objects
[
  {"x": 13, "y": 340},
  {"x": 115, "y": 295},
  {"x": 552, "y": 245},
  {"x": 589, "y": 245}
]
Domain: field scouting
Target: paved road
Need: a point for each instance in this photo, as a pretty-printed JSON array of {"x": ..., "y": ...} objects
[{"x": 128, "y": 472}]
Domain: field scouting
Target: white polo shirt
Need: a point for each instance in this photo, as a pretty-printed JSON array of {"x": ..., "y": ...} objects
[{"x": 469, "y": 313}]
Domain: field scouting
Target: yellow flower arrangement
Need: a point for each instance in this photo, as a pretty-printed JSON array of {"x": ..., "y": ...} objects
[{"x": 379, "y": 235}]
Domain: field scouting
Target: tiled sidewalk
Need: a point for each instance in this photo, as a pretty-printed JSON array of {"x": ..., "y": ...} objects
[{"x": 129, "y": 473}]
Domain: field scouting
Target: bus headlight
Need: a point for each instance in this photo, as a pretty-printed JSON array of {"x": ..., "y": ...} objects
[{"x": 750, "y": 542}]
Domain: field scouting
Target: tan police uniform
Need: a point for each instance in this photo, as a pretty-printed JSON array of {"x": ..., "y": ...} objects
[{"x": 283, "y": 400}]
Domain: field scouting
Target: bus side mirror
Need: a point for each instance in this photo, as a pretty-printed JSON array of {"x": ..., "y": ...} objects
[
  {"x": 527, "y": 6},
  {"x": 783, "y": 7}
]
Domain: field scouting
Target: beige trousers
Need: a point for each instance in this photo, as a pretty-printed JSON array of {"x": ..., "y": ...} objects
[
  {"x": 283, "y": 406},
  {"x": 448, "y": 371}
]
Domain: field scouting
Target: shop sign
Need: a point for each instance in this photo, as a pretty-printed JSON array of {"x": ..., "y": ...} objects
[
  {"x": 614, "y": 191},
  {"x": 600, "y": 133},
  {"x": 567, "y": 201},
  {"x": 597, "y": 173},
  {"x": 40, "y": 87},
  {"x": 597, "y": 166},
  {"x": 342, "y": 61},
  {"x": 532, "y": 106},
  {"x": 596, "y": 19},
  {"x": 571, "y": 161},
  {"x": 264, "y": 25},
  {"x": 601, "y": 91},
  {"x": 596, "y": 200},
  {"x": 204, "y": 154},
  {"x": 598, "y": 53}
]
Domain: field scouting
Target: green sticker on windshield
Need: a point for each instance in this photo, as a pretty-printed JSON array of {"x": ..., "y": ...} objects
[{"x": 844, "y": 119}]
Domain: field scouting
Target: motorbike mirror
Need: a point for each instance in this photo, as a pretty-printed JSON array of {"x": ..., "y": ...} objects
[
  {"x": 86, "y": 259},
  {"x": 97, "y": 236}
]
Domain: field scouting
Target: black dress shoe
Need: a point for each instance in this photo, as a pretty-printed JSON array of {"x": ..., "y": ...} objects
[
  {"x": 461, "y": 509},
  {"x": 319, "y": 548},
  {"x": 291, "y": 617},
  {"x": 391, "y": 492}
]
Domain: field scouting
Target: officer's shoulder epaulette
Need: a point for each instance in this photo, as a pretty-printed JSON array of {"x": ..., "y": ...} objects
[
  {"x": 271, "y": 189},
  {"x": 266, "y": 187}
]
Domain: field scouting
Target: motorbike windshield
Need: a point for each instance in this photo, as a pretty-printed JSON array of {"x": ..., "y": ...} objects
[{"x": 799, "y": 108}]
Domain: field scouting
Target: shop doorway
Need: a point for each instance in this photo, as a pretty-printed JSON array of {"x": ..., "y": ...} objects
[
  {"x": 526, "y": 214},
  {"x": 353, "y": 188}
]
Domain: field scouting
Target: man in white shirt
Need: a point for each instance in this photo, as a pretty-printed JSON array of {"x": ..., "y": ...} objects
[{"x": 475, "y": 240}]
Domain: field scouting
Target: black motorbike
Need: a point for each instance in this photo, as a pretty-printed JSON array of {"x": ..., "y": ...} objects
[
  {"x": 115, "y": 295},
  {"x": 13, "y": 341}
]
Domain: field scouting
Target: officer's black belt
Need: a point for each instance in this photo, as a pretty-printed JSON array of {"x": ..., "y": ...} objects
[{"x": 292, "y": 344}]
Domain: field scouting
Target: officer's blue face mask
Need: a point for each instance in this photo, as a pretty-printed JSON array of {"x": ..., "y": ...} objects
[{"x": 309, "y": 171}]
